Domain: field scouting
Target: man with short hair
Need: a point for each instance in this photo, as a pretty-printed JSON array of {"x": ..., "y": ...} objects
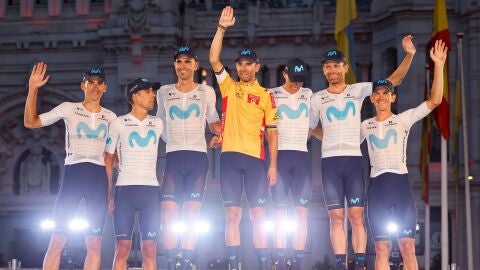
[
  {"x": 293, "y": 103},
  {"x": 134, "y": 138},
  {"x": 390, "y": 198},
  {"x": 248, "y": 110},
  {"x": 338, "y": 108},
  {"x": 84, "y": 175},
  {"x": 184, "y": 107}
]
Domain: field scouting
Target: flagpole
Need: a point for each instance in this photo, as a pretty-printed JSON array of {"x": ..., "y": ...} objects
[
  {"x": 444, "y": 198},
  {"x": 468, "y": 210},
  {"x": 427, "y": 205}
]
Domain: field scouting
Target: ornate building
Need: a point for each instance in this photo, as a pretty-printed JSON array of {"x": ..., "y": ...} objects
[{"x": 137, "y": 38}]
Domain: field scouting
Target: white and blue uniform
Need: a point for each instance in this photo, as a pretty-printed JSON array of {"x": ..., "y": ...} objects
[
  {"x": 389, "y": 187},
  {"x": 84, "y": 174},
  {"x": 137, "y": 187},
  {"x": 293, "y": 161},
  {"x": 185, "y": 115},
  {"x": 342, "y": 168}
]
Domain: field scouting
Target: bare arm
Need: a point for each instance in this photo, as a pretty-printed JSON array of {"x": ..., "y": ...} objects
[
  {"x": 316, "y": 132},
  {"x": 226, "y": 20},
  {"x": 38, "y": 78},
  {"x": 215, "y": 127},
  {"x": 109, "y": 160},
  {"x": 397, "y": 76},
  {"x": 438, "y": 54},
  {"x": 272, "y": 138}
]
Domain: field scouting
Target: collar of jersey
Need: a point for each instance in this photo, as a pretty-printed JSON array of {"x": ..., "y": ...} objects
[{"x": 252, "y": 83}]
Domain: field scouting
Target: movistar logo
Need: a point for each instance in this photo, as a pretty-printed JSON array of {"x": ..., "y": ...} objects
[
  {"x": 152, "y": 234},
  {"x": 354, "y": 200},
  {"x": 332, "y": 53},
  {"x": 382, "y": 143},
  {"x": 407, "y": 232},
  {"x": 175, "y": 110},
  {"x": 340, "y": 115},
  {"x": 382, "y": 82},
  {"x": 109, "y": 140},
  {"x": 142, "y": 142},
  {"x": 303, "y": 201},
  {"x": 291, "y": 113},
  {"x": 262, "y": 201},
  {"x": 184, "y": 49},
  {"x": 195, "y": 195},
  {"x": 91, "y": 133},
  {"x": 233, "y": 257},
  {"x": 95, "y": 71},
  {"x": 298, "y": 68},
  {"x": 245, "y": 52},
  {"x": 144, "y": 80},
  {"x": 96, "y": 230}
]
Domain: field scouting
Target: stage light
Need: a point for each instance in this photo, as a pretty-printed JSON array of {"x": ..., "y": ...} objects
[
  {"x": 268, "y": 226},
  {"x": 179, "y": 227},
  {"x": 392, "y": 227},
  {"x": 78, "y": 224},
  {"x": 47, "y": 224},
  {"x": 202, "y": 227},
  {"x": 289, "y": 226}
]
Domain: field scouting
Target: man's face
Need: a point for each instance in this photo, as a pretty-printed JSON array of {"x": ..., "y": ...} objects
[
  {"x": 246, "y": 70},
  {"x": 144, "y": 99},
  {"x": 382, "y": 99},
  {"x": 94, "y": 88},
  {"x": 291, "y": 85},
  {"x": 185, "y": 67},
  {"x": 335, "y": 71}
]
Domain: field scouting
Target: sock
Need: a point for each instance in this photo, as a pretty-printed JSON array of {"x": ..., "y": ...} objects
[
  {"x": 359, "y": 261},
  {"x": 280, "y": 263},
  {"x": 262, "y": 254},
  {"x": 171, "y": 255},
  {"x": 297, "y": 259},
  {"x": 340, "y": 261},
  {"x": 187, "y": 256},
  {"x": 233, "y": 257}
]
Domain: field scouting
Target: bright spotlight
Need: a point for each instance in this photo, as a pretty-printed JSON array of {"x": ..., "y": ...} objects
[
  {"x": 202, "y": 227},
  {"x": 179, "y": 227},
  {"x": 289, "y": 226},
  {"x": 417, "y": 228},
  {"x": 78, "y": 224},
  {"x": 47, "y": 224},
  {"x": 392, "y": 227},
  {"x": 268, "y": 226}
]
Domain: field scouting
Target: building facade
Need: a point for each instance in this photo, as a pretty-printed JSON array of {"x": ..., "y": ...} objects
[{"x": 137, "y": 38}]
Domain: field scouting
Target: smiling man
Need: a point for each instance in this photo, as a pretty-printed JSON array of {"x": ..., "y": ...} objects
[
  {"x": 84, "y": 175},
  {"x": 248, "y": 110}
]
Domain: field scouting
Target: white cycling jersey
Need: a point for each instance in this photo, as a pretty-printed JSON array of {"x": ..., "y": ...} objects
[
  {"x": 136, "y": 144},
  {"x": 85, "y": 132},
  {"x": 387, "y": 140},
  {"x": 293, "y": 114},
  {"x": 185, "y": 115},
  {"x": 340, "y": 116}
]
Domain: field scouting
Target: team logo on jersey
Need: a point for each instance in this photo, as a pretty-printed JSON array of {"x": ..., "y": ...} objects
[
  {"x": 95, "y": 230},
  {"x": 152, "y": 234},
  {"x": 195, "y": 195},
  {"x": 291, "y": 113},
  {"x": 382, "y": 143},
  {"x": 354, "y": 201},
  {"x": 407, "y": 232},
  {"x": 261, "y": 201},
  {"x": 91, "y": 133},
  {"x": 253, "y": 99},
  {"x": 184, "y": 114},
  {"x": 303, "y": 201},
  {"x": 142, "y": 141},
  {"x": 338, "y": 114}
]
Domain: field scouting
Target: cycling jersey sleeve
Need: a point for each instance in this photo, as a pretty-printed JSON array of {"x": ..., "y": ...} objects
[
  {"x": 271, "y": 113},
  {"x": 161, "y": 113},
  {"x": 55, "y": 114},
  {"x": 211, "y": 113},
  {"x": 365, "y": 89},
  {"x": 362, "y": 131},
  {"x": 225, "y": 83},
  {"x": 410, "y": 117},
  {"x": 314, "y": 114},
  {"x": 114, "y": 131}
]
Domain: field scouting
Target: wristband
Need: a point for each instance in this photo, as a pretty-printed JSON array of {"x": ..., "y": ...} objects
[{"x": 222, "y": 27}]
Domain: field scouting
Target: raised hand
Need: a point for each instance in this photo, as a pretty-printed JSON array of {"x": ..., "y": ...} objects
[
  {"x": 408, "y": 46},
  {"x": 226, "y": 18},
  {"x": 38, "y": 77},
  {"x": 438, "y": 53}
]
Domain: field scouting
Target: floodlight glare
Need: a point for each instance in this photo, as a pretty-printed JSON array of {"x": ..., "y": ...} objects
[
  {"x": 202, "y": 227},
  {"x": 268, "y": 226},
  {"x": 78, "y": 224},
  {"x": 179, "y": 227},
  {"x": 392, "y": 227},
  {"x": 417, "y": 227},
  {"x": 289, "y": 226},
  {"x": 47, "y": 224}
]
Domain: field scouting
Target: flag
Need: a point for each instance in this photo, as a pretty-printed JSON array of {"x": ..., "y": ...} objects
[
  {"x": 425, "y": 151},
  {"x": 346, "y": 11},
  {"x": 440, "y": 32}
]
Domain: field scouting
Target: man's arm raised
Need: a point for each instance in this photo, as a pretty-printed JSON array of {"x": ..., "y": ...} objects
[
  {"x": 438, "y": 54},
  {"x": 397, "y": 76},
  {"x": 226, "y": 20},
  {"x": 38, "y": 78}
]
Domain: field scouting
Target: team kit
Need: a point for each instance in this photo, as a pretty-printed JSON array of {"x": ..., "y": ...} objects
[{"x": 97, "y": 141}]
